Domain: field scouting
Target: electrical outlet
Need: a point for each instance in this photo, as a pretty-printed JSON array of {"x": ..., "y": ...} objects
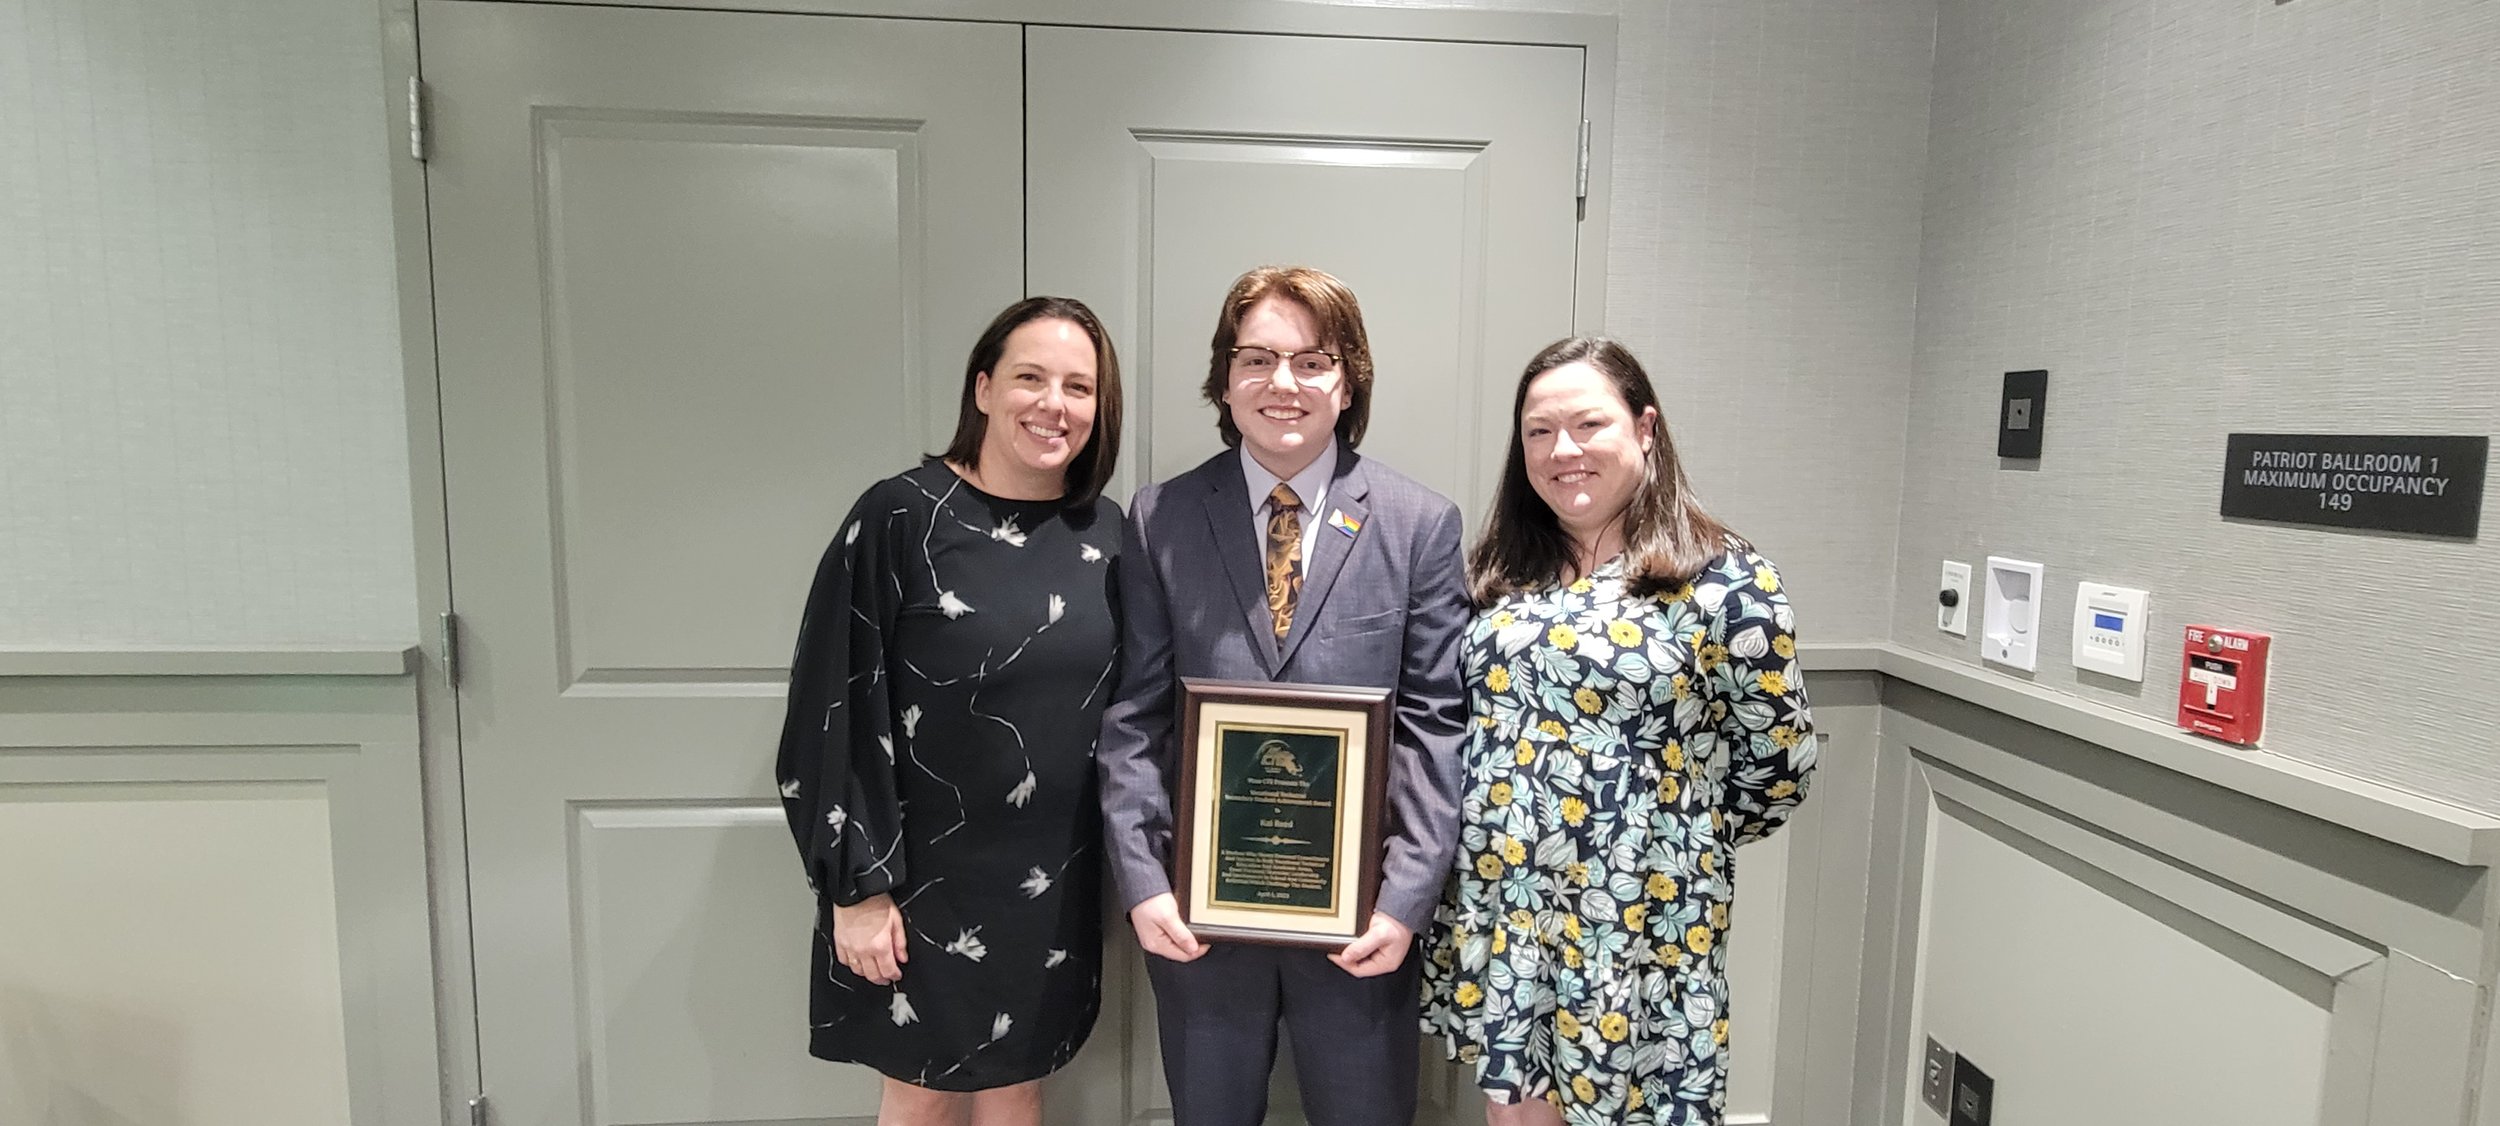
[
  {"x": 1974, "y": 1094},
  {"x": 1935, "y": 1082},
  {"x": 1953, "y": 599}
]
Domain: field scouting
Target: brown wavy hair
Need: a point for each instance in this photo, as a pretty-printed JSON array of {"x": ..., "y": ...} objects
[
  {"x": 1092, "y": 466},
  {"x": 1340, "y": 330},
  {"x": 1667, "y": 536}
]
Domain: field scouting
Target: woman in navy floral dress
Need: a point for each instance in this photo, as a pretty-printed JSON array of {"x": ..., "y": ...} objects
[{"x": 1638, "y": 714}]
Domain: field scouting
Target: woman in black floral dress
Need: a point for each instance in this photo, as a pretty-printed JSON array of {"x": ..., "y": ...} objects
[{"x": 937, "y": 759}]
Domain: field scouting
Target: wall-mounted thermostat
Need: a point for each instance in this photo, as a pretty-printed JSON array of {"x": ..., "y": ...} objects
[
  {"x": 2110, "y": 630},
  {"x": 2011, "y": 635}
]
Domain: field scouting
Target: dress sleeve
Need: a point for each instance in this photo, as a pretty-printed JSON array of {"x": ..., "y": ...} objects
[
  {"x": 836, "y": 765},
  {"x": 1757, "y": 698}
]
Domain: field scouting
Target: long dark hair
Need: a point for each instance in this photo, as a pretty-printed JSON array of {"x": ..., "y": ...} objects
[
  {"x": 1340, "y": 320},
  {"x": 1667, "y": 536},
  {"x": 1092, "y": 467}
]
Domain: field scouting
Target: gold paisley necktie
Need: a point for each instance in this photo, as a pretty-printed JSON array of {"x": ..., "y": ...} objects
[{"x": 1284, "y": 557}]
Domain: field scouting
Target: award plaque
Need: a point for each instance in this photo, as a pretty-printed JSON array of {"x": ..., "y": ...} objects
[{"x": 1282, "y": 799}]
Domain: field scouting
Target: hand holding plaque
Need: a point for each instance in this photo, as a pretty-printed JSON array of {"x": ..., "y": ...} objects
[{"x": 1283, "y": 791}]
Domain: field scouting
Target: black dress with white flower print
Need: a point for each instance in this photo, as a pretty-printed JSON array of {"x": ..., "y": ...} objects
[{"x": 950, "y": 676}]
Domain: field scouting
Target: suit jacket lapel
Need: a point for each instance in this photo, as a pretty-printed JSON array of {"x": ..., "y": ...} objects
[
  {"x": 1328, "y": 555},
  {"x": 1228, "y": 520}
]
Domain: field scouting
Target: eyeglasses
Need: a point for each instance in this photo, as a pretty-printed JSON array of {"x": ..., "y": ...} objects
[{"x": 1254, "y": 365}]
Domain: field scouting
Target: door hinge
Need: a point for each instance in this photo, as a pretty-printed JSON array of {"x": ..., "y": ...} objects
[
  {"x": 451, "y": 649},
  {"x": 477, "y": 1111},
  {"x": 416, "y": 119},
  {"x": 1583, "y": 183}
]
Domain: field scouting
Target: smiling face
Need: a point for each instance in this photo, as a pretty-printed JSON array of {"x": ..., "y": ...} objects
[
  {"x": 1039, "y": 399},
  {"x": 1284, "y": 418},
  {"x": 1585, "y": 452}
]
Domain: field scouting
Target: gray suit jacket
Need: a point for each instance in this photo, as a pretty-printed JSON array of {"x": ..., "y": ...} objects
[{"x": 1381, "y": 608}]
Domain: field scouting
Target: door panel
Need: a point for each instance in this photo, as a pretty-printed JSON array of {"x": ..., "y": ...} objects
[
  {"x": 1399, "y": 214},
  {"x": 700, "y": 278},
  {"x": 695, "y": 1024},
  {"x": 1439, "y": 180},
  {"x": 787, "y": 244}
]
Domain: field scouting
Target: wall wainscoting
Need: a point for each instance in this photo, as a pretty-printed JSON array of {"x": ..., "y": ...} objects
[
  {"x": 2111, "y": 935},
  {"x": 228, "y": 872},
  {"x": 216, "y": 887}
]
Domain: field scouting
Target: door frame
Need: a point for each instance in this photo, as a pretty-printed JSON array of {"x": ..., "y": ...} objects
[{"x": 438, "y": 705}]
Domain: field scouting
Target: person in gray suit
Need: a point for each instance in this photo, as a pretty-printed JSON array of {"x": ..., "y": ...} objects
[{"x": 1288, "y": 557}]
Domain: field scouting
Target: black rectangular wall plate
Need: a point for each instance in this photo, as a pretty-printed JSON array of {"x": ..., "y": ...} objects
[
  {"x": 2021, "y": 414},
  {"x": 1974, "y": 1094}
]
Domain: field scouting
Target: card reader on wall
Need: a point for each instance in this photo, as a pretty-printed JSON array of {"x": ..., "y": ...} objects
[{"x": 2011, "y": 635}]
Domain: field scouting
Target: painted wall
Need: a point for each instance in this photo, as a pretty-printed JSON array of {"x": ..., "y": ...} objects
[
  {"x": 2204, "y": 218},
  {"x": 202, "y": 440},
  {"x": 1768, "y": 163},
  {"x": 205, "y": 442}
]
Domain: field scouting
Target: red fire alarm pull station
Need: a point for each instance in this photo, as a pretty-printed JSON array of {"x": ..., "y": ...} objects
[{"x": 2222, "y": 684}]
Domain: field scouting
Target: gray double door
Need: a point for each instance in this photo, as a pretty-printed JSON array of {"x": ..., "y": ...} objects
[{"x": 702, "y": 276}]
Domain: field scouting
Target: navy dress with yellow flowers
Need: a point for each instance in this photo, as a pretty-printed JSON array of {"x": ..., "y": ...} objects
[{"x": 1623, "y": 747}]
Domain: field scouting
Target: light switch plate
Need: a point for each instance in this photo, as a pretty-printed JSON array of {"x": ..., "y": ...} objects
[
  {"x": 1953, "y": 616},
  {"x": 1935, "y": 1080}
]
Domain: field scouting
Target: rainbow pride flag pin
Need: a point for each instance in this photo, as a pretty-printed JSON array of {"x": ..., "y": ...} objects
[{"x": 1340, "y": 521}]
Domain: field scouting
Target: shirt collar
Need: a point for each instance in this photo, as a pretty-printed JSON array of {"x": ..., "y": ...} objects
[{"x": 1311, "y": 484}]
